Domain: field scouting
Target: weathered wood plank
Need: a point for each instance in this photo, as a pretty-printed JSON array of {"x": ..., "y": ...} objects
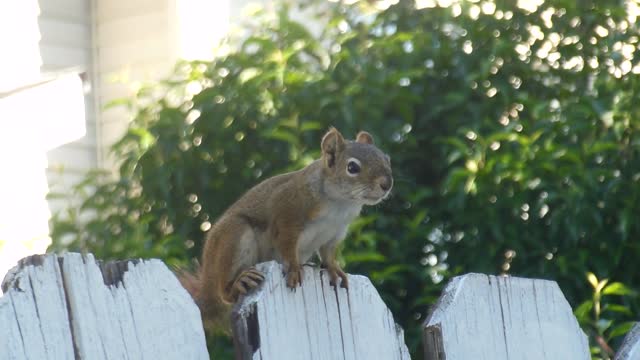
[
  {"x": 40, "y": 309},
  {"x": 24, "y": 308},
  {"x": 630, "y": 349},
  {"x": 75, "y": 307},
  {"x": 494, "y": 318},
  {"x": 317, "y": 321},
  {"x": 96, "y": 330},
  {"x": 11, "y": 341},
  {"x": 164, "y": 311},
  {"x": 48, "y": 294}
]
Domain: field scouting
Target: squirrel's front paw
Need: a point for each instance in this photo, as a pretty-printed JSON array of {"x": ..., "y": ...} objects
[
  {"x": 294, "y": 276},
  {"x": 336, "y": 272}
]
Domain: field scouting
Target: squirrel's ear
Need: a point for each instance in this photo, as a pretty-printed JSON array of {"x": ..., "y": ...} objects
[
  {"x": 364, "y": 138},
  {"x": 332, "y": 143}
]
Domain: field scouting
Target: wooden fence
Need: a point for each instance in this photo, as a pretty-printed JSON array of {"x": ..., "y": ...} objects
[{"x": 74, "y": 307}]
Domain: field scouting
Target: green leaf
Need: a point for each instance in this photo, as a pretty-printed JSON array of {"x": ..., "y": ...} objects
[
  {"x": 617, "y": 308},
  {"x": 124, "y": 102},
  {"x": 364, "y": 257},
  {"x": 248, "y": 74},
  {"x": 582, "y": 311},
  {"x": 282, "y": 135},
  {"x": 593, "y": 280},
  {"x": 601, "y": 285},
  {"x": 620, "y": 329},
  {"x": 311, "y": 125},
  {"x": 617, "y": 288}
]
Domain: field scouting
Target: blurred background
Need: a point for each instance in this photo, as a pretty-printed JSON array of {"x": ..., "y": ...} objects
[{"x": 127, "y": 127}]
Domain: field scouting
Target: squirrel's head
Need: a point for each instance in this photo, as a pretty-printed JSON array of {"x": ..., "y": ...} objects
[{"x": 356, "y": 169}]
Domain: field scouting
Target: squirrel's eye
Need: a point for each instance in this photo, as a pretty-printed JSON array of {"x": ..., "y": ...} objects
[{"x": 353, "y": 167}]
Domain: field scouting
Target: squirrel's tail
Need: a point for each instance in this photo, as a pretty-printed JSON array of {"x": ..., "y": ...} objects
[{"x": 215, "y": 313}]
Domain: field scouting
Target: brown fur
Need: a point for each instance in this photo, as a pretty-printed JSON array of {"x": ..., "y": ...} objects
[{"x": 288, "y": 218}]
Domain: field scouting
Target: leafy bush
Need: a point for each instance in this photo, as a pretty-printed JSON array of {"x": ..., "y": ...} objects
[
  {"x": 513, "y": 134},
  {"x": 594, "y": 315}
]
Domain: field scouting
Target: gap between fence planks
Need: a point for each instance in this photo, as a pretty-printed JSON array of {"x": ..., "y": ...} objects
[
  {"x": 316, "y": 321},
  {"x": 74, "y": 307},
  {"x": 499, "y": 318}
]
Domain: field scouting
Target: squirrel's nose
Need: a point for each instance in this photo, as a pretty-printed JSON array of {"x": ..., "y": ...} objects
[{"x": 386, "y": 182}]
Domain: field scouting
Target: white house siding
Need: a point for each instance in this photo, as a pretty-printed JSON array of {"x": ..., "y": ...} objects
[
  {"x": 46, "y": 117},
  {"x": 138, "y": 41},
  {"x": 135, "y": 43},
  {"x": 66, "y": 45},
  {"x": 120, "y": 44},
  {"x": 115, "y": 45}
]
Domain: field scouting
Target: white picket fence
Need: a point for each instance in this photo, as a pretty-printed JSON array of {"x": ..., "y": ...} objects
[
  {"x": 316, "y": 321},
  {"x": 74, "y": 307}
]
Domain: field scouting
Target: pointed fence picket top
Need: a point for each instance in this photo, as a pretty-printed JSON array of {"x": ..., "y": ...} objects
[
  {"x": 74, "y": 307},
  {"x": 499, "y": 318},
  {"x": 630, "y": 349},
  {"x": 316, "y": 321}
]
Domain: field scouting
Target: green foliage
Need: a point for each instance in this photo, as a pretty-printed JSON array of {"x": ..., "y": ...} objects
[
  {"x": 596, "y": 316},
  {"x": 513, "y": 134}
]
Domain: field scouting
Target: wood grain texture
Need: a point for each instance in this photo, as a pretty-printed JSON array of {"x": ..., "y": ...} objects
[
  {"x": 75, "y": 307},
  {"x": 494, "y": 318},
  {"x": 317, "y": 321},
  {"x": 630, "y": 349},
  {"x": 35, "y": 297}
]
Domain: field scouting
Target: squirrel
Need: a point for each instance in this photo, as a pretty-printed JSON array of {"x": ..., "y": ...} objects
[{"x": 289, "y": 218}]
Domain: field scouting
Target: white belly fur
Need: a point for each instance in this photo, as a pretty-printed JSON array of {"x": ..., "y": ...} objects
[{"x": 330, "y": 225}]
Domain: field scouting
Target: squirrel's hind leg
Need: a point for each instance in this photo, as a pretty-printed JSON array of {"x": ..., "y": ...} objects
[
  {"x": 247, "y": 280},
  {"x": 231, "y": 250}
]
